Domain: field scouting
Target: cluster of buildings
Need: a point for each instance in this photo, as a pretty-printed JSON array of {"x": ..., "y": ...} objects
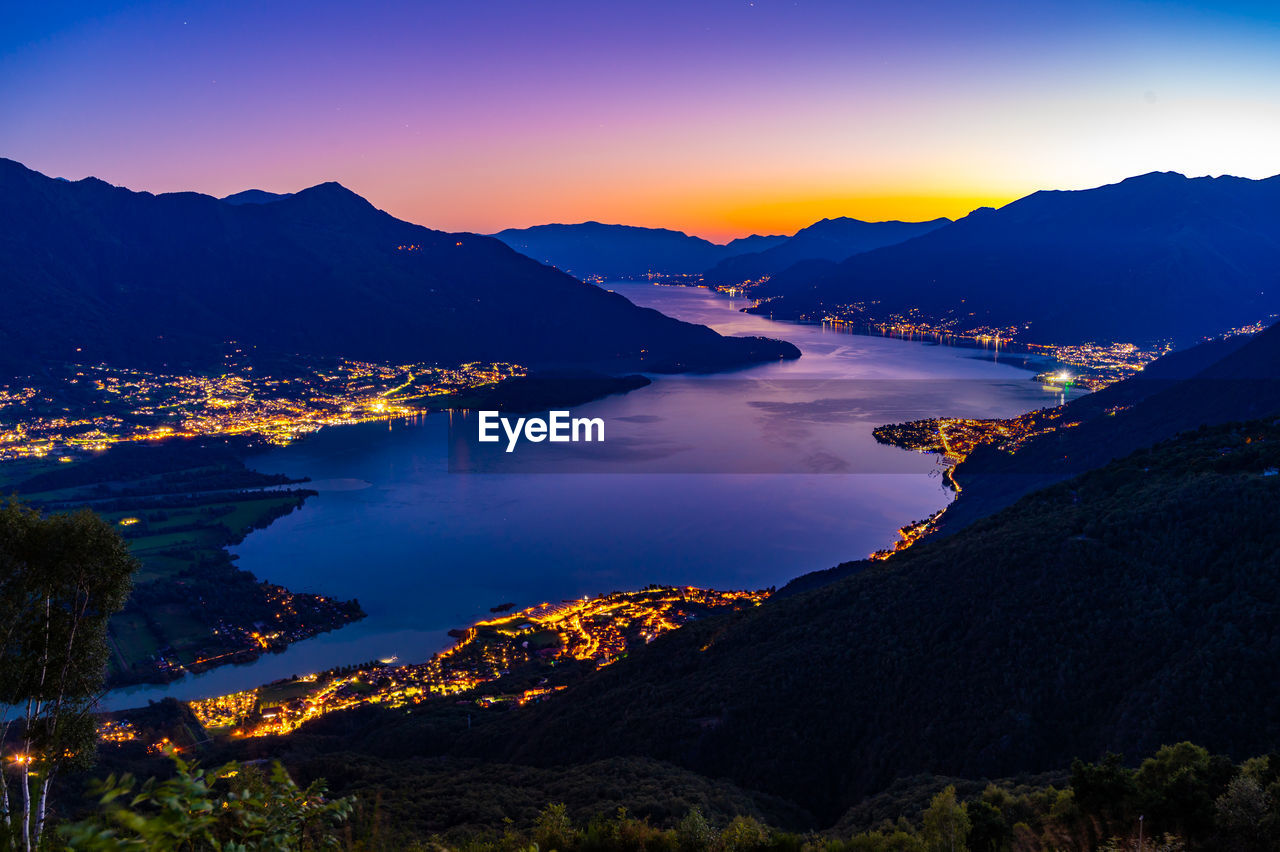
[
  {"x": 908, "y": 536},
  {"x": 954, "y": 438},
  {"x": 87, "y": 408},
  {"x": 914, "y": 323},
  {"x": 534, "y": 640},
  {"x": 1097, "y": 365},
  {"x": 1094, "y": 365},
  {"x": 1252, "y": 328},
  {"x": 116, "y": 731}
]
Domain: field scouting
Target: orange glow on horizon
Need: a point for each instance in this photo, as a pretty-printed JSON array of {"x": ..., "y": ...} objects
[
  {"x": 718, "y": 219},
  {"x": 789, "y": 216}
]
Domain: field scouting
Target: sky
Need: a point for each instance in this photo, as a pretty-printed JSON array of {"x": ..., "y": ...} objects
[{"x": 716, "y": 118}]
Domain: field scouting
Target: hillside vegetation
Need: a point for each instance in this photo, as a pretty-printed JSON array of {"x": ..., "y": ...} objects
[{"x": 1131, "y": 607}]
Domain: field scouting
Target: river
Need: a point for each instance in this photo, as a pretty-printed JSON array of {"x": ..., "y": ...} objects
[{"x": 743, "y": 480}]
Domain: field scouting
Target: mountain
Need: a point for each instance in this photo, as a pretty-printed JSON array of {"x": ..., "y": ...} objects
[
  {"x": 830, "y": 239},
  {"x": 1133, "y": 606},
  {"x": 1215, "y": 382},
  {"x": 614, "y": 251},
  {"x": 1158, "y": 256},
  {"x": 255, "y": 196},
  {"x": 753, "y": 243},
  {"x": 97, "y": 272}
]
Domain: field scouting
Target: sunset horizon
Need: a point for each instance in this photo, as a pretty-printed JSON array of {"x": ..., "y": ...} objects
[{"x": 719, "y": 119}]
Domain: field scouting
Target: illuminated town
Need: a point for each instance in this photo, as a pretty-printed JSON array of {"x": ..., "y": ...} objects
[
  {"x": 1097, "y": 365},
  {"x": 908, "y": 536},
  {"x": 87, "y": 408},
  {"x": 1094, "y": 365},
  {"x": 116, "y": 731},
  {"x": 534, "y": 641},
  {"x": 952, "y": 439},
  {"x": 1252, "y": 328}
]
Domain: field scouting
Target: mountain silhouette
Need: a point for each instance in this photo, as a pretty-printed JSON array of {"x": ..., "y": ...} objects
[
  {"x": 753, "y": 243},
  {"x": 97, "y": 272},
  {"x": 830, "y": 239},
  {"x": 619, "y": 251},
  {"x": 255, "y": 196},
  {"x": 1159, "y": 256}
]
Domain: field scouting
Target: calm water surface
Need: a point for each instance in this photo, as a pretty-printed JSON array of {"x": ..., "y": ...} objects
[{"x": 425, "y": 550}]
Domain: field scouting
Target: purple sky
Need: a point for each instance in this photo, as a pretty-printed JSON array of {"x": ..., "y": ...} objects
[{"x": 718, "y": 118}]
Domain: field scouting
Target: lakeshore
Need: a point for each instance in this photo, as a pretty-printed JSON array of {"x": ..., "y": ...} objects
[{"x": 426, "y": 551}]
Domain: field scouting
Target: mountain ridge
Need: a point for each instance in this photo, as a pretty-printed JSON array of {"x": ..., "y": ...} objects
[
  {"x": 255, "y": 196},
  {"x": 98, "y": 272},
  {"x": 831, "y": 240},
  {"x": 1154, "y": 257},
  {"x": 597, "y": 249}
]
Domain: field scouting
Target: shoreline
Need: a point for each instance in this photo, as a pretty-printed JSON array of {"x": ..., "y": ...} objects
[
  {"x": 870, "y": 329},
  {"x": 530, "y": 392},
  {"x": 613, "y": 385}
]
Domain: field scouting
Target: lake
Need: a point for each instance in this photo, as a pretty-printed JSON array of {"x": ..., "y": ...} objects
[{"x": 740, "y": 480}]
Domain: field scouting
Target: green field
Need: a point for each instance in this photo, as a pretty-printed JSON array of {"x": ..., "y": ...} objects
[
  {"x": 285, "y": 691},
  {"x": 183, "y": 505},
  {"x": 132, "y": 639}
]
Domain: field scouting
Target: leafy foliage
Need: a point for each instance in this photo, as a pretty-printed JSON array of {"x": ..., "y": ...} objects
[
  {"x": 62, "y": 577},
  {"x": 1000, "y": 817},
  {"x": 404, "y": 800},
  {"x": 235, "y": 807}
]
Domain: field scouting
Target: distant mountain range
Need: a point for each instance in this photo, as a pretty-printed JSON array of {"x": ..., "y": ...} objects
[
  {"x": 753, "y": 243},
  {"x": 829, "y": 240},
  {"x": 1159, "y": 256},
  {"x": 97, "y": 272},
  {"x": 619, "y": 251}
]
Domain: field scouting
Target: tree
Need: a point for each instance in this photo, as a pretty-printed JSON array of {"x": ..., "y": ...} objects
[
  {"x": 233, "y": 807},
  {"x": 1179, "y": 786},
  {"x": 553, "y": 830},
  {"x": 1107, "y": 789},
  {"x": 946, "y": 824},
  {"x": 694, "y": 833},
  {"x": 744, "y": 833},
  {"x": 988, "y": 832},
  {"x": 62, "y": 577},
  {"x": 1243, "y": 813}
]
